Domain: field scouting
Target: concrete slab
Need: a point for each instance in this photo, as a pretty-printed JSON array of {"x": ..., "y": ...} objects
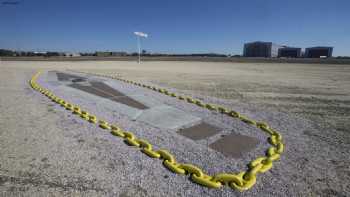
[
  {"x": 103, "y": 90},
  {"x": 54, "y": 83},
  {"x": 51, "y": 78},
  {"x": 117, "y": 96},
  {"x": 129, "y": 100},
  {"x": 131, "y": 112},
  {"x": 57, "y": 78},
  {"x": 164, "y": 116},
  {"x": 68, "y": 77},
  {"x": 234, "y": 145},
  {"x": 199, "y": 131},
  {"x": 133, "y": 92},
  {"x": 123, "y": 87}
]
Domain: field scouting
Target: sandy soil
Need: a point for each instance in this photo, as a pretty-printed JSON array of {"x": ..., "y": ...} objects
[{"x": 312, "y": 99}]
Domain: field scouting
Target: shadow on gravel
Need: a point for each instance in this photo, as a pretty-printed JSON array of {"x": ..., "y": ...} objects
[{"x": 28, "y": 179}]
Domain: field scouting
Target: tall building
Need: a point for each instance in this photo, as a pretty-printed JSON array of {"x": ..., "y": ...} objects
[
  {"x": 317, "y": 52},
  {"x": 289, "y": 52},
  {"x": 260, "y": 49}
]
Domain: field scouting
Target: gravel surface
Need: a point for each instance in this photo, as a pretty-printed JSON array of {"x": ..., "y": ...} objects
[{"x": 45, "y": 150}]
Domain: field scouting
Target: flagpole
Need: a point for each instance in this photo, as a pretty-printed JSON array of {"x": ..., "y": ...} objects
[
  {"x": 139, "y": 35},
  {"x": 139, "y": 46}
]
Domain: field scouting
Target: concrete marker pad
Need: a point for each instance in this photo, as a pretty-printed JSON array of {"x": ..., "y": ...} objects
[
  {"x": 234, "y": 145},
  {"x": 199, "y": 131},
  {"x": 127, "y": 89},
  {"x": 162, "y": 116},
  {"x": 114, "y": 85},
  {"x": 51, "y": 78},
  {"x": 118, "y": 96},
  {"x": 98, "y": 88},
  {"x": 168, "y": 117},
  {"x": 104, "y": 91},
  {"x": 106, "y": 103},
  {"x": 57, "y": 78},
  {"x": 135, "y": 93},
  {"x": 68, "y": 77}
]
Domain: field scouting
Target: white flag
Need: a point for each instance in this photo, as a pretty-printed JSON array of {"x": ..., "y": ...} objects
[{"x": 140, "y": 34}]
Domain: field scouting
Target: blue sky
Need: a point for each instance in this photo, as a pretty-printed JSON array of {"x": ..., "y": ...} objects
[{"x": 174, "y": 26}]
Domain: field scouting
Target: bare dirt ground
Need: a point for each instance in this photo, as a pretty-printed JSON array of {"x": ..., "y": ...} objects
[
  {"x": 320, "y": 93},
  {"x": 313, "y": 93}
]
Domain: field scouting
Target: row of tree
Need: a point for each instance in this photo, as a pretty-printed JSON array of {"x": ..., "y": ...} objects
[
  {"x": 4, "y": 52},
  {"x": 10, "y": 53}
]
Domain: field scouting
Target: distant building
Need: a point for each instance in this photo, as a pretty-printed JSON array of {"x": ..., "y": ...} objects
[
  {"x": 260, "y": 49},
  {"x": 40, "y": 52},
  {"x": 318, "y": 52},
  {"x": 119, "y": 54},
  {"x": 108, "y": 54},
  {"x": 72, "y": 54},
  {"x": 289, "y": 52}
]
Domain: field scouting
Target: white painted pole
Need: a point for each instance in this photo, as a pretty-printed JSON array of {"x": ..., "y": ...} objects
[
  {"x": 139, "y": 46},
  {"x": 139, "y": 35}
]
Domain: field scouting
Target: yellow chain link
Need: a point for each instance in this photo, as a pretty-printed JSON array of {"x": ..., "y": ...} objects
[
  {"x": 92, "y": 119},
  {"x": 103, "y": 124}
]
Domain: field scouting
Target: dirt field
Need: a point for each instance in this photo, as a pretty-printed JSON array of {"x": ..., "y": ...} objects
[
  {"x": 316, "y": 93},
  {"x": 320, "y": 93}
]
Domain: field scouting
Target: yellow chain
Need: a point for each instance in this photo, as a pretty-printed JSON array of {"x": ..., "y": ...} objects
[{"x": 241, "y": 181}]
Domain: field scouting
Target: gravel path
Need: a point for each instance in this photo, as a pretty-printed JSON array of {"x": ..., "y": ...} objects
[{"x": 46, "y": 150}]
